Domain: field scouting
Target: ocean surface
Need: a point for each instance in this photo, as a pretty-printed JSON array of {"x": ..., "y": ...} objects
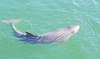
[{"x": 42, "y": 16}]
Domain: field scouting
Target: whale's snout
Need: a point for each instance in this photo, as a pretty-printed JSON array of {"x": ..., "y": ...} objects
[{"x": 76, "y": 28}]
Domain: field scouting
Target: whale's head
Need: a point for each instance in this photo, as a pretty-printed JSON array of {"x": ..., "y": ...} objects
[{"x": 73, "y": 29}]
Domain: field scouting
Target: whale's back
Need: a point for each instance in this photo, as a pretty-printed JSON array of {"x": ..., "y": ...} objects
[{"x": 59, "y": 35}]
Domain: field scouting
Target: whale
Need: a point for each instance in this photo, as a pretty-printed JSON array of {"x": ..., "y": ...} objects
[{"x": 59, "y": 35}]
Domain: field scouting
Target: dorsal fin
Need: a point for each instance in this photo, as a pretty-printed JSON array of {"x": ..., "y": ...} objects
[{"x": 29, "y": 34}]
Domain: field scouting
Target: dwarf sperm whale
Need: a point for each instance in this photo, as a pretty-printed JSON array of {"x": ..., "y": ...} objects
[{"x": 59, "y": 35}]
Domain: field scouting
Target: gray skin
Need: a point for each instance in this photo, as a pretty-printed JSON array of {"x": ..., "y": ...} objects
[{"x": 59, "y": 35}]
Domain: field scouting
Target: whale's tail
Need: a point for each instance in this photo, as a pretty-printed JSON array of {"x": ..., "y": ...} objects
[{"x": 11, "y": 21}]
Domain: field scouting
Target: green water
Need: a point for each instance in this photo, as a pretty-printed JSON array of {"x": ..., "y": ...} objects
[{"x": 42, "y": 16}]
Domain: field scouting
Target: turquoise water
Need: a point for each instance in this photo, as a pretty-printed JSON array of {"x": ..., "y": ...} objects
[{"x": 42, "y": 16}]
